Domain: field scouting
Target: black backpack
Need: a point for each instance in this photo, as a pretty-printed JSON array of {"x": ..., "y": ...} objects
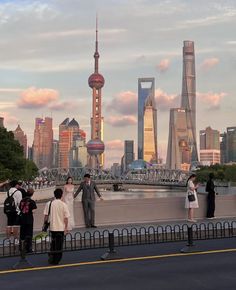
[{"x": 9, "y": 204}]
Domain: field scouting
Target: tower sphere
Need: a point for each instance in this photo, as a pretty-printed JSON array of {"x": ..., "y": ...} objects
[
  {"x": 95, "y": 147},
  {"x": 96, "y": 80}
]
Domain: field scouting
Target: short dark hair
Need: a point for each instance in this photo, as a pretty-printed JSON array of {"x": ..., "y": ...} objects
[
  {"x": 87, "y": 175},
  {"x": 58, "y": 193},
  {"x": 211, "y": 175},
  {"x": 29, "y": 192},
  {"x": 13, "y": 183}
]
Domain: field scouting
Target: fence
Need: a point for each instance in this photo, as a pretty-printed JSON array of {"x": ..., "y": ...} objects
[{"x": 128, "y": 236}]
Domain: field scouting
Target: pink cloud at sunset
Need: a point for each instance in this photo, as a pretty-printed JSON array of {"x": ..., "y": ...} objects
[
  {"x": 163, "y": 65},
  {"x": 165, "y": 101},
  {"x": 61, "y": 106},
  {"x": 36, "y": 98},
  {"x": 9, "y": 119},
  {"x": 213, "y": 100},
  {"x": 209, "y": 63},
  {"x": 121, "y": 121},
  {"x": 125, "y": 103}
]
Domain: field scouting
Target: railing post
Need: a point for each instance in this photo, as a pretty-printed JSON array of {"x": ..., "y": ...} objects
[
  {"x": 111, "y": 254},
  {"x": 190, "y": 247}
]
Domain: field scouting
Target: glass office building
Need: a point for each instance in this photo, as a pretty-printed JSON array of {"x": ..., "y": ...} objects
[{"x": 147, "y": 120}]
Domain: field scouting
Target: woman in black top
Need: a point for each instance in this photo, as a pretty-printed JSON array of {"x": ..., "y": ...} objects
[{"x": 210, "y": 188}]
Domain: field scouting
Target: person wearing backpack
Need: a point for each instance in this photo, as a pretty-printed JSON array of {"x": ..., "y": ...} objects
[
  {"x": 27, "y": 205},
  {"x": 11, "y": 209}
]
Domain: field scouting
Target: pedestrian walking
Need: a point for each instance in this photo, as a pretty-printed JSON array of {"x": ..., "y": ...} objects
[
  {"x": 11, "y": 209},
  {"x": 191, "y": 200},
  {"x": 68, "y": 198},
  {"x": 210, "y": 189},
  {"x": 58, "y": 218},
  {"x": 89, "y": 188},
  {"x": 27, "y": 206}
]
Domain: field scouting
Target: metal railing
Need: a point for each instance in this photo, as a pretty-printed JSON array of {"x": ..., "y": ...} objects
[{"x": 127, "y": 237}]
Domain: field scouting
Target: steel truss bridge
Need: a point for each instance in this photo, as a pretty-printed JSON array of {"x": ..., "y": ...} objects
[{"x": 150, "y": 176}]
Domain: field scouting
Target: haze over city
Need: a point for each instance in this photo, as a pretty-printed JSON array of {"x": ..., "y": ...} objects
[{"x": 47, "y": 56}]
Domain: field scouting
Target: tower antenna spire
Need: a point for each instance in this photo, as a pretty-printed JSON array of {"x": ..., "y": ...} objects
[{"x": 96, "y": 54}]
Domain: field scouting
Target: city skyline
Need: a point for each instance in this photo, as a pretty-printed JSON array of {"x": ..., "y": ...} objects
[{"x": 53, "y": 60}]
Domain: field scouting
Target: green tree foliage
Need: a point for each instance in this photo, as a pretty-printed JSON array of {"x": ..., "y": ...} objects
[
  {"x": 13, "y": 165},
  {"x": 221, "y": 172}
]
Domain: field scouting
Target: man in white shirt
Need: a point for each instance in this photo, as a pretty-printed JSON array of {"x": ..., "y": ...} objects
[
  {"x": 57, "y": 213},
  {"x": 12, "y": 217}
]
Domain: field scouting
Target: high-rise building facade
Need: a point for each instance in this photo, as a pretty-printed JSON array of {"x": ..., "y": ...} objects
[
  {"x": 188, "y": 96},
  {"x": 182, "y": 144},
  {"x": 228, "y": 145},
  {"x": 178, "y": 152},
  {"x": 128, "y": 154},
  {"x": 22, "y": 139},
  {"x": 209, "y": 146},
  {"x": 69, "y": 134},
  {"x": 96, "y": 146},
  {"x": 55, "y": 154},
  {"x": 147, "y": 120},
  {"x": 1, "y": 122},
  {"x": 43, "y": 143}
]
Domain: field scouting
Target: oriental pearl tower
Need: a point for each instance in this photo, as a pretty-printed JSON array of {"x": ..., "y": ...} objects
[{"x": 95, "y": 146}]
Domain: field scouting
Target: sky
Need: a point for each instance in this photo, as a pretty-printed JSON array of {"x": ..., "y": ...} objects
[{"x": 46, "y": 57}]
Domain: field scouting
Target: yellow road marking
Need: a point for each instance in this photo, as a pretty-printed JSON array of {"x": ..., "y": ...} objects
[{"x": 117, "y": 261}]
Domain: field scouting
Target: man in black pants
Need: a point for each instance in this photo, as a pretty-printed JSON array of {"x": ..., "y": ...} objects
[
  {"x": 88, "y": 200},
  {"x": 58, "y": 217},
  {"x": 27, "y": 205},
  {"x": 210, "y": 188}
]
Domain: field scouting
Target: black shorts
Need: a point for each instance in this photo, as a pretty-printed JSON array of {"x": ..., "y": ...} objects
[{"x": 12, "y": 219}]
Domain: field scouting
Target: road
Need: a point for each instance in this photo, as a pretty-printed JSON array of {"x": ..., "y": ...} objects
[{"x": 148, "y": 267}]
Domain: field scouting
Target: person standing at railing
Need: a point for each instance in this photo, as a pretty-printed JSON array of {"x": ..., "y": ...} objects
[
  {"x": 68, "y": 198},
  {"x": 58, "y": 218},
  {"x": 191, "y": 200},
  {"x": 89, "y": 188},
  {"x": 210, "y": 189}
]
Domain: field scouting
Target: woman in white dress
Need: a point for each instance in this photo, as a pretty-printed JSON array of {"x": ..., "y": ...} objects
[
  {"x": 68, "y": 198},
  {"x": 191, "y": 205}
]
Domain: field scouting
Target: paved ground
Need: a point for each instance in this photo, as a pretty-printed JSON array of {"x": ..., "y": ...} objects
[{"x": 146, "y": 267}]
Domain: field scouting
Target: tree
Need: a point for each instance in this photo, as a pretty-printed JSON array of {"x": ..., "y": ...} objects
[{"x": 13, "y": 165}]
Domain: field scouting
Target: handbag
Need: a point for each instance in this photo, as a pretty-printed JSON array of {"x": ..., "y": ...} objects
[
  {"x": 46, "y": 223},
  {"x": 191, "y": 196}
]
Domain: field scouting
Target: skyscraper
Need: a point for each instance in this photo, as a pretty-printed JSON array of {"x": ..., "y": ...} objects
[
  {"x": 96, "y": 146},
  {"x": 22, "y": 139},
  {"x": 188, "y": 97},
  {"x": 209, "y": 146},
  {"x": 228, "y": 145},
  {"x": 43, "y": 143},
  {"x": 178, "y": 153},
  {"x": 69, "y": 134},
  {"x": 1, "y": 122},
  {"x": 147, "y": 120},
  {"x": 128, "y": 154},
  {"x": 182, "y": 145}
]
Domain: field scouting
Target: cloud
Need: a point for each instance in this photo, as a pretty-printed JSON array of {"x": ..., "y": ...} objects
[
  {"x": 163, "y": 65},
  {"x": 125, "y": 103},
  {"x": 9, "y": 119},
  {"x": 121, "y": 121},
  {"x": 37, "y": 98},
  {"x": 62, "y": 106},
  {"x": 166, "y": 101},
  {"x": 212, "y": 100},
  {"x": 6, "y": 105},
  {"x": 209, "y": 63},
  {"x": 116, "y": 145}
]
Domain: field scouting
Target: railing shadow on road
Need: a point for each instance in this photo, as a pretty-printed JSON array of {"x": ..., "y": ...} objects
[{"x": 94, "y": 239}]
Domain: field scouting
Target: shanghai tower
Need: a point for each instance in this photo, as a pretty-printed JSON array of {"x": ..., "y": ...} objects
[{"x": 188, "y": 97}]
